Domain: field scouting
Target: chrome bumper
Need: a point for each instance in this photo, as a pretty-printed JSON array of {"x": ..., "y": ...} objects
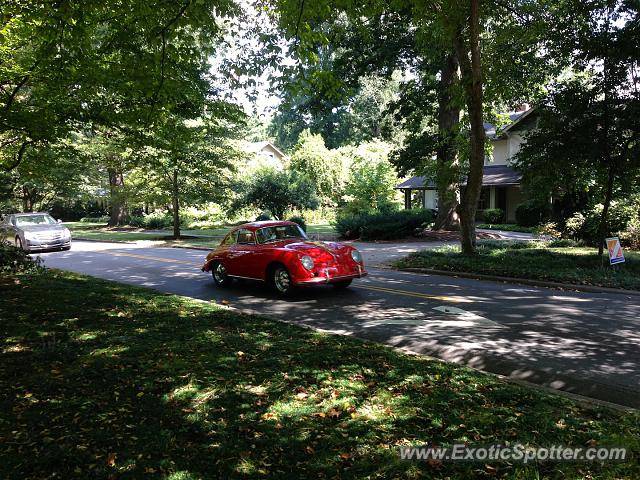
[
  {"x": 32, "y": 245},
  {"x": 327, "y": 278}
]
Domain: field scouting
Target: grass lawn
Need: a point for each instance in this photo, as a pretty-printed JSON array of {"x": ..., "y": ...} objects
[
  {"x": 537, "y": 260},
  {"x": 102, "y": 380},
  {"x": 97, "y": 231},
  {"x": 507, "y": 227}
]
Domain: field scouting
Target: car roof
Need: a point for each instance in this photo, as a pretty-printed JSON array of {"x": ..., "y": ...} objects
[
  {"x": 27, "y": 214},
  {"x": 266, "y": 223}
]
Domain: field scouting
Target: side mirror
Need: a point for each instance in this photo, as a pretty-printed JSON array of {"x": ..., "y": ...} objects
[{"x": 59, "y": 221}]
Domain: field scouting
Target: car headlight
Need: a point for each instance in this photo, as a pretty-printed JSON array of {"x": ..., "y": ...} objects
[
  {"x": 29, "y": 236},
  {"x": 307, "y": 262},
  {"x": 66, "y": 233},
  {"x": 357, "y": 257}
]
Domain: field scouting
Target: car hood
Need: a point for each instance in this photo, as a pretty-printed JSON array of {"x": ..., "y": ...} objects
[
  {"x": 305, "y": 246},
  {"x": 42, "y": 228}
]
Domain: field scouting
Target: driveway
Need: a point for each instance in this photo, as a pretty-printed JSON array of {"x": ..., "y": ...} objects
[{"x": 585, "y": 343}]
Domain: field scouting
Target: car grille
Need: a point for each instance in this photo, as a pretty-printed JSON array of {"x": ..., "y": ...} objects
[{"x": 48, "y": 236}]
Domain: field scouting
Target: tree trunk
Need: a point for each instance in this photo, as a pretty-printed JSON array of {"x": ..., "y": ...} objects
[
  {"x": 118, "y": 204},
  {"x": 175, "y": 206},
  {"x": 472, "y": 80},
  {"x": 447, "y": 176}
]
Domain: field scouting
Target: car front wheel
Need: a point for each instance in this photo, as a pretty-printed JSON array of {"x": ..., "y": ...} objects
[
  {"x": 220, "y": 276},
  {"x": 19, "y": 244},
  {"x": 281, "y": 280}
]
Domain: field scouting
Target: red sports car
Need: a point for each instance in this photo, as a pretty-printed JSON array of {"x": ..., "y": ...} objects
[{"x": 281, "y": 254}]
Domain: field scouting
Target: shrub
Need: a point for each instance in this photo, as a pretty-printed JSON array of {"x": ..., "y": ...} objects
[
  {"x": 382, "y": 226},
  {"x": 531, "y": 213},
  {"x": 564, "y": 243},
  {"x": 493, "y": 215},
  {"x": 263, "y": 217},
  {"x": 14, "y": 260},
  {"x": 103, "y": 219},
  {"x": 158, "y": 220},
  {"x": 136, "y": 221},
  {"x": 586, "y": 225},
  {"x": 549, "y": 229},
  {"x": 630, "y": 236},
  {"x": 573, "y": 226},
  {"x": 300, "y": 221}
]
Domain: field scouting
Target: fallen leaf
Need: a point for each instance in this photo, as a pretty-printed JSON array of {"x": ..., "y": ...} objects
[
  {"x": 333, "y": 413},
  {"x": 111, "y": 459}
]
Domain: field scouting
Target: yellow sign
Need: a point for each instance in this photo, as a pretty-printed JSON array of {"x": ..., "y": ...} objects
[{"x": 615, "y": 251}]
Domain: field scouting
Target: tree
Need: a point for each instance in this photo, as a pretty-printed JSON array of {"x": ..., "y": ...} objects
[
  {"x": 276, "y": 191},
  {"x": 76, "y": 64},
  {"x": 322, "y": 166},
  {"x": 431, "y": 39},
  {"x": 190, "y": 161},
  {"x": 589, "y": 125},
  {"x": 372, "y": 178}
]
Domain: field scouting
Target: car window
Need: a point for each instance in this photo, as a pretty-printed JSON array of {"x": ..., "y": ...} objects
[
  {"x": 40, "y": 219},
  {"x": 245, "y": 237},
  {"x": 230, "y": 239},
  {"x": 279, "y": 232}
]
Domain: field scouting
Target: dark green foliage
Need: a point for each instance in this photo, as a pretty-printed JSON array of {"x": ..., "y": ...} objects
[
  {"x": 276, "y": 192},
  {"x": 158, "y": 220},
  {"x": 507, "y": 227},
  {"x": 586, "y": 226},
  {"x": 300, "y": 221},
  {"x": 136, "y": 221},
  {"x": 263, "y": 217},
  {"x": 493, "y": 215},
  {"x": 382, "y": 226},
  {"x": 14, "y": 260},
  {"x": 531, "y": 213}
]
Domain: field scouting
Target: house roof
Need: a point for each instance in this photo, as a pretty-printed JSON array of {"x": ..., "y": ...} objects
[
  {"x": 259, "y": 146},
  {"x": 492, "y": 176},
  {"x": 515, "y": 117}
]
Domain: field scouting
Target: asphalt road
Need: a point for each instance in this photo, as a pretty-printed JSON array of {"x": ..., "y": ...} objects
[{"x": 585, "y": 343}]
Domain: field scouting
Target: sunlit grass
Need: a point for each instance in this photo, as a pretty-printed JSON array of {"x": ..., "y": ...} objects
[
  {"x": 533, "y": 260},
  {"x": 136, "y": 384}
]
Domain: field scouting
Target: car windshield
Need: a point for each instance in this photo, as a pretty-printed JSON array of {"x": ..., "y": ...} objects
[
  {"x": 279, "y": 232},
  {"x": 40, "y": 219}
]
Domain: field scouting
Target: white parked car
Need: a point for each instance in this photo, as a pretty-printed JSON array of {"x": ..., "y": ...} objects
[{"x": 35, "y": 232}]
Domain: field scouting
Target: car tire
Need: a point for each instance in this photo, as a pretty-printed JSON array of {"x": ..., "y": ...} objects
[
  {"x": 219, "y": 274},
  {"x": 19, "y": 245},
  {"x": 342, "y": 284},
  {"x": 281, "y": 280}
]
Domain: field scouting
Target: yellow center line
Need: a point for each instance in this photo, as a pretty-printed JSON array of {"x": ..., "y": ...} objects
[
  {"x": 148, "y": 257},
  {"x": 442, "y": 298}
]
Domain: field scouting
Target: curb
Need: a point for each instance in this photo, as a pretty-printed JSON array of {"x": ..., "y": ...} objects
[
  {"x": 80, "y": 239},
  {"x": 205, "y": 249},
  {"x": 524, "y": 281}
]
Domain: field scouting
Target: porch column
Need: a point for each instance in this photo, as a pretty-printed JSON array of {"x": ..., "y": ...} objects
[
  {"x": 407, "y": 198},
  {"x": 492, "y": 197}
]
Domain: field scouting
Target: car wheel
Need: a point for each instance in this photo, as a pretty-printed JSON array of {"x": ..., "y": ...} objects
[
  {"x": 220, "y": 276},
  {"x": 281, "y": 280},
  {"x": 342, "y": 284},
  {"x": 19, "y": 244}
]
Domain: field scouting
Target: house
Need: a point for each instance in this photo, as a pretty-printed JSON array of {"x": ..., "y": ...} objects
[
  {"x": 264, "y": 154},
  {"x": 500, "y": 182}
]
